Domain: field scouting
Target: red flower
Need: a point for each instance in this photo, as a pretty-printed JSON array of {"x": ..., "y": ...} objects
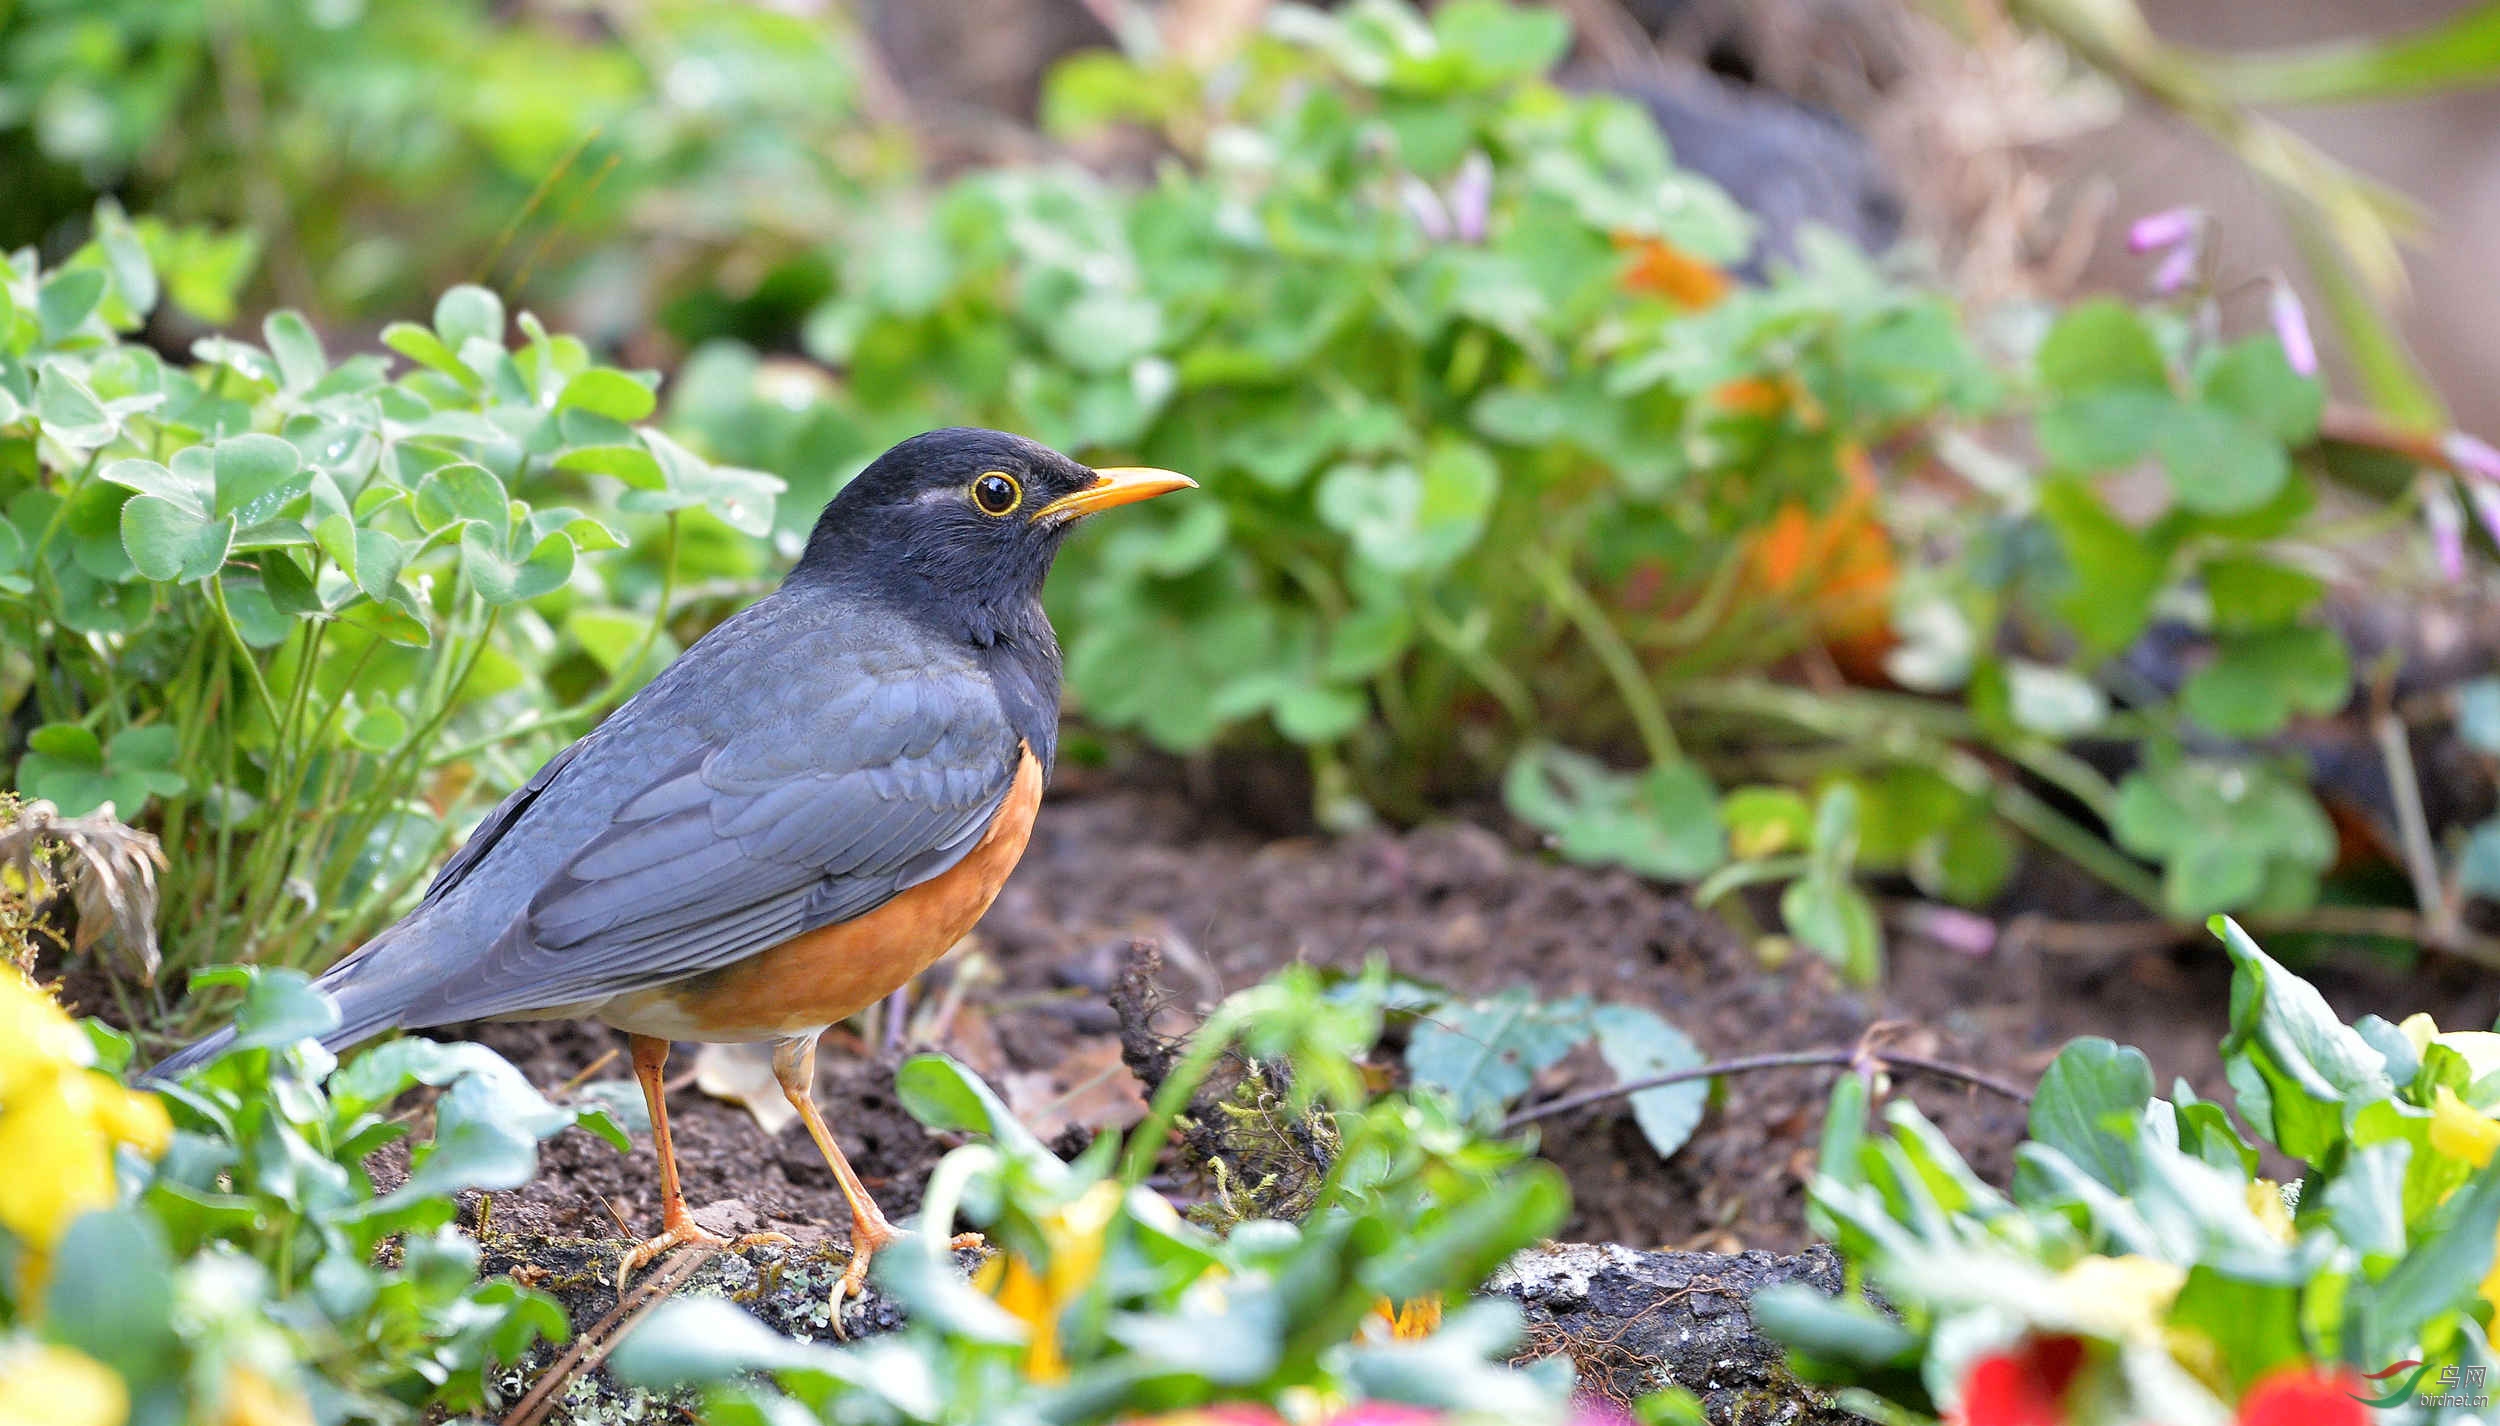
[
  {"x": 2024, "y": 1387},
  {"x": 2304, "y": 1396}
]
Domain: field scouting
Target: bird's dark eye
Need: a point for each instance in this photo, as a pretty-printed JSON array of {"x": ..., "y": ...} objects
[{"x": 996, "y": 492}]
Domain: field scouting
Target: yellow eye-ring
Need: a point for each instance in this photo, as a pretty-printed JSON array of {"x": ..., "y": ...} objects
[{"x": 996, "y": 492}]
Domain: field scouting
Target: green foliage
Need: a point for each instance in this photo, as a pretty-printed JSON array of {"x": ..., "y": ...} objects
[
  {"x": 1103, "y": 1304},
  {"x": 2139, "y": 1225},
  {"x": 255, "y": 1261},
  {"x": 1821, "y": 904},
  {"x": 382, "y": 149},
  {"x": 1484, "y": 1056},
  {"x": 1482, "y": 492},
  {"x": 290, "y": 610}
]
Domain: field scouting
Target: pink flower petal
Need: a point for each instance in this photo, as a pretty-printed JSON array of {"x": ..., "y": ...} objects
[
  {"x": 2471, "y": 454},
  {"x": 2291, "y": 328},
  {"x": 2178, "y": 268},
  {"x": 2446, "y": 522},
  {"x": 2167, "y": 228},
  {"x": 1951, "y": 927},
  {"x": 2486, "y": 501},
  {"x": 1424, "y": 206},
  {"x": 1471, "y": 196}
]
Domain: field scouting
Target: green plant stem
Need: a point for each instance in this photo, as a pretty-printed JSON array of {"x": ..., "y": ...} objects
[
  {"x": 400, "y": 772},
  {"x": 1708, "y": 611},
  {"x": 2052, "y": 829},
  {"x": 1486, "y": 670},
  {"x": 1888, "y": 725},
  {"x": 589, "y": 705},
  {"x": 1621, "y": 664},
  {"x": 243, "y": 654}
]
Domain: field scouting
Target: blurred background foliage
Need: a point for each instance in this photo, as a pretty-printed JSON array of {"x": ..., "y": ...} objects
[
  {"x": 377, "y": 153},
  {"x": 1728, "y": 541}
]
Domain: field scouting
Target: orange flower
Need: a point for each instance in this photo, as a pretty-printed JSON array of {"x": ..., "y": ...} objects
[{"x": 1659, "y": 266}]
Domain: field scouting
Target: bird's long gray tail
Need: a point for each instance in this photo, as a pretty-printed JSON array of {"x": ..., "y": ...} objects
[{"x": 361, "y": 1017}]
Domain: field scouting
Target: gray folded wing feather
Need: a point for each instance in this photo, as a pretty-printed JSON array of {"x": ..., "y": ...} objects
[{"x": 780, "y": 827}]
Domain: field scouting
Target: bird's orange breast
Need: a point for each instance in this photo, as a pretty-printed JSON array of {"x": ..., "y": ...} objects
[{"x": 832, "y": 973}]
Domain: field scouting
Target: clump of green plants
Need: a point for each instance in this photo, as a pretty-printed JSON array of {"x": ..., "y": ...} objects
[
  {"x": 222, "y": 1255},
  {"x": 1507, "y": 482},
  {"x": 1102, "y": 1304},
  {"x": 296, "y": 613},
  {"x": 365, "y": 155},
  {"x": 2142, "y": 1268}
]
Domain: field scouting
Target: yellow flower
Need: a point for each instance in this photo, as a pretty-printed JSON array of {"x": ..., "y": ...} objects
[
  {"x": 2265, "y": 1199},
  {"x": 2122, "y": 1298},
  {"x": 59, "y": 1122},
  {"x": 1072, "y": 1240},
  {"x": 1410, "y": 1321},
  {"x": 43, "y": 1385},
  {"x": 2481, "y": 1048},
  {"x": 2462, "y": 1132},
  {"x": 254, "y": 1400}
]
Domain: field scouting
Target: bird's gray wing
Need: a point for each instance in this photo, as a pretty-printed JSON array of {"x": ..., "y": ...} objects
[
  {"x": 786, "y": 825},
  {"x": 493, "y": 825}
]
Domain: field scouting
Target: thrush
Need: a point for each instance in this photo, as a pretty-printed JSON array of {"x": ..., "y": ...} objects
[{"x": 794, "y": 818}]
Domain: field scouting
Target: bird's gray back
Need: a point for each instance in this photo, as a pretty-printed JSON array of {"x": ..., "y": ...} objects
[{"x": 750, "y": 754}]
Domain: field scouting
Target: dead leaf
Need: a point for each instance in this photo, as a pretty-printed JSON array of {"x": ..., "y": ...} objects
[
  {"x": 1089, "y": 1089},
  {"x": 743, "y": 1075}
]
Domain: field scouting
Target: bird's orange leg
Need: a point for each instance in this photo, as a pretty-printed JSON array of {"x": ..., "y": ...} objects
[
  {"x": 677, "y": 1226},
  {"x": 794, "y": 1064}
]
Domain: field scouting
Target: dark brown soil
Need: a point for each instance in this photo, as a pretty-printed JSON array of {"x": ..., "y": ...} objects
[{"x": 1455, "y": 904}]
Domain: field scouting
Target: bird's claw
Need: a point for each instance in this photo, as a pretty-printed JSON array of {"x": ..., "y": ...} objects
[
  {"x": 868, "y": 1238},
  {"x": 683, "y": 1232}
]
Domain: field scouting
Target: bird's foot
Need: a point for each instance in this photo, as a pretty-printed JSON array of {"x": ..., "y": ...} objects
[
  {"x": 679, "y": 1230},
  {"x": 867, "y": 1237}
]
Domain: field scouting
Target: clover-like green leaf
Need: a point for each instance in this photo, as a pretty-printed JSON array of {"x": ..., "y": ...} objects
[
  {"x": 608, "y": 392},
  {"x": 2252, "y": 380},
  {"x": 463, "y": 491},
  {"x": 168, "y": 541},
  {"x": 503, "y": 576},
  {"x": 465, "y": 314},
  {"x": 2223, "y": 829},
  {"x": 256, "y": 476},
  {"x": 2218, "y": 463},
  {"x": 2097, "y": 345},
  {"x": 2258, "y": 681},
  {"x": 1637, "y": 1044},
  {"x": 1661, "y": 823},
  {"x": 70, "y": 413},
  {"x": 1832, "y": 918},
  {"x": 421, "y": 345},
  {"x": 1484, "y": 1053},
  {"x": 296, "y": 348}
]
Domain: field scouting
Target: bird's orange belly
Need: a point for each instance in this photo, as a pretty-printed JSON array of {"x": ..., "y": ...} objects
[{"x": 832, "y": 973}]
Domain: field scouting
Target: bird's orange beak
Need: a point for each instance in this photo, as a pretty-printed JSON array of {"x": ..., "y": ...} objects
[{"x": 1116, "y": 485}]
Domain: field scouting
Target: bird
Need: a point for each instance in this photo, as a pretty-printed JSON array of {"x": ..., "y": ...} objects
[{"x": 795, "y": 817}]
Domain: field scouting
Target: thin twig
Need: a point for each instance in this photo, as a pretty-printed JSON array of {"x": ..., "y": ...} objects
[
  {"x": 592, "y": 1347},
  {"x": 2413, "y": 826},
  {"x": 1791, "y": 1059},
  {"x": 565, "y": 1091}
]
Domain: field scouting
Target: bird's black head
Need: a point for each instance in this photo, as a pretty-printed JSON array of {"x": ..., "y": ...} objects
[{"x": 961, "y": 524}]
